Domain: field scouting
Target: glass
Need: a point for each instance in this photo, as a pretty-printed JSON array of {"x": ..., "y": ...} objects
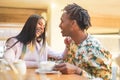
[
  {"x": 1, "y": 65},
  {"x": 3, "y": 62},
  {"x": 1, "y": 51}
]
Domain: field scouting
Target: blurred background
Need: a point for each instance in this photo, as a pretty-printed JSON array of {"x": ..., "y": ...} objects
[{"x": 105, "y": 18}]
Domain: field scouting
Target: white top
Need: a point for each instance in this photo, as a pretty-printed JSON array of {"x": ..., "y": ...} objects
[{"x": 31, "y": 57}]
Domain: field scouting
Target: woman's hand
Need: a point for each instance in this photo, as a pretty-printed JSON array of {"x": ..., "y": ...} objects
[
  {"x": 67, "y": 41},
  {"x": 54, "y": 58}
]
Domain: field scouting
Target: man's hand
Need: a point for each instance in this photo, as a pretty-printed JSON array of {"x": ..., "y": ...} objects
[{"x": 66, "y": 68}]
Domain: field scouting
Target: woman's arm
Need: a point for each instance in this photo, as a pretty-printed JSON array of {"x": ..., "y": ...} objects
[
  {"x": 60, "y": 55},
  {"x": 10, "y": 52}
]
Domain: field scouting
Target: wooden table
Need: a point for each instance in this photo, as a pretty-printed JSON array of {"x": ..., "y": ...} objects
[{"x": 31, "y": 75}]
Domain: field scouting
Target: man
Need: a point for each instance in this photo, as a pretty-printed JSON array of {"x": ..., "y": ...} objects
[{"x": 84, "y": 54}]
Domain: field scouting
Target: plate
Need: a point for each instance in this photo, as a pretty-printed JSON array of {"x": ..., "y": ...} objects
[{"x": 47, "y": 72}]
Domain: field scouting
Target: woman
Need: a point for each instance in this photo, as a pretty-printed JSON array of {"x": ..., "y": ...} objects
[{"x": 30, "y": 43}]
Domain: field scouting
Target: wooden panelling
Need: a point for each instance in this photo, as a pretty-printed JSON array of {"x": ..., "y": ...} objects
[
  {"x": 106, "y": 21},
  {"x": 17, "y": 15}
]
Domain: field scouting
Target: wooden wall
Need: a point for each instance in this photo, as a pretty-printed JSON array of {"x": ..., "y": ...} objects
[
  {"x": 17, "y": 15},
  {"x": 106, "y": 21}
]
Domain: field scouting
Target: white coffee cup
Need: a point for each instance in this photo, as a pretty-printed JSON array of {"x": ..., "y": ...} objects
[
  {"x": 47, "y": 65},
  {"x": 20, "y": 66}
]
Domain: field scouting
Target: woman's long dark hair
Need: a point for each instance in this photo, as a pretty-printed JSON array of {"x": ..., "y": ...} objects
[{"x": 28, "y": 32}]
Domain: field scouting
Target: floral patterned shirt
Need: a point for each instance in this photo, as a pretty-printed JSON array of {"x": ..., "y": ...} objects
[{"x": 91, "y": 57}]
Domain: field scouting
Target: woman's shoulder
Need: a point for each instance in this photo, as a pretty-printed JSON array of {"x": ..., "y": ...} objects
[{"x": 11, "y": 40}]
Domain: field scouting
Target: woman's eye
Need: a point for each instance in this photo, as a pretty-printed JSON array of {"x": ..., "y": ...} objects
[{"x": 41, "y": 24}]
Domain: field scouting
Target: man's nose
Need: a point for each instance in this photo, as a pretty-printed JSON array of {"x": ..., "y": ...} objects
[{"x": 60, "y": 25}]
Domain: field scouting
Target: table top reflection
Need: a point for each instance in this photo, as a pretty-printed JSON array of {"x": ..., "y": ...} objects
[{"x": 32, "y": 75}]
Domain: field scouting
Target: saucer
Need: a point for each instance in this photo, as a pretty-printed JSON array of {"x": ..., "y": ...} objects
[{"x": 45, "y": 72}]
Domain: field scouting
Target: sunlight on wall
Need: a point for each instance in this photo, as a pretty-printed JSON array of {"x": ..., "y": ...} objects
[{"x": 57, "y": 41}]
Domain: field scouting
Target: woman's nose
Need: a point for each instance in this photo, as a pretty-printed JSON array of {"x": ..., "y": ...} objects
[{"x": 42, "y": 27}]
